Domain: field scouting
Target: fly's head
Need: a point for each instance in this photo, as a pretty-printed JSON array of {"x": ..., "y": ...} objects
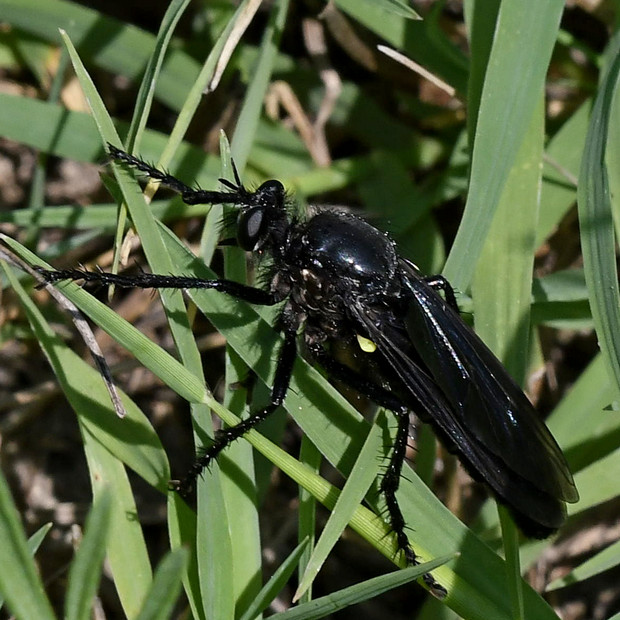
[{"x": 261, "y": 223}]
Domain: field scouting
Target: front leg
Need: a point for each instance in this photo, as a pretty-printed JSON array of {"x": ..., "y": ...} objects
[{"x": 237, "y": 290}]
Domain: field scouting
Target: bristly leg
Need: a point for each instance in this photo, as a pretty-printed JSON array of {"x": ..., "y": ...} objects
[
  {"x": 391, "y": 478},
  {"x": 224, "y": 437},
  {"x": 389, "y": 485},
  {"x": 237, "y": 290},
  {"x": 150, "y": 171},
  {"x": 237, "y": 194}
]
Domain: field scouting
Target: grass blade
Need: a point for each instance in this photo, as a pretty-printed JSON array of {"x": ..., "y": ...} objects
[
  {"x": 321, "y": 607},
  {"x": 87, "y": 565},
  {"x": 20, "y": 584},
  {"x": 513, "y": 85},
  {"x": 596, "y": 222},
  {"x": 162, "y": 596}
]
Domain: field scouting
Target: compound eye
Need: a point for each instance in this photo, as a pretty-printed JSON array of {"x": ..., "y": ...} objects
[{"x": 251, "y": 228}]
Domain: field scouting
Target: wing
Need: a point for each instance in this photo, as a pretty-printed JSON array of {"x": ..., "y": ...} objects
[{"x": 450, "y": 375}]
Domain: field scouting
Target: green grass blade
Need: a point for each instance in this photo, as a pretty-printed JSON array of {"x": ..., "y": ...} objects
[
  {"x": 153, "y": 69},
  {"x": 561, "y": 296},
  {"x": 598, "y": 482},
  {"x": 247, "y": 123},
  {"x": 214, "y": 548},
  {"x": 58, "y": 131},
  {"x": 34, "y": 542},
  {"x": 588, "y": 399},
  {"x": 481, "y": 19},
  {"x": 161, "y": 363},
  {"x": 85, "y": 571},
  {"x": 275, "y": 584},
  {"x": 420, "y": 40},
  {"x": 322, "y": 607},
  {"x": 85, "y": 391},
  {"x": 103, "y": 121},
  {"x": 99, "y": 216},
  {"x": 20, "y": 585},
  {"x": 182, "y": 527},
  {"x": 164, "y": 592},
  {"x": 563, "y": 159},
  {"x": 600, "y": 562},
  {"x": 514, "y": 82},
  {"x": 237, "y": 465},
  {"x": 108, "y": 43},
  {"x": 126, "y": 550},
  {"x": 310, "y": 456},
  {"x": 596, "y": 222},
  {"x": 503, "y": 282},
  {"x": 362, "y": 476},
  {"x": 49, "y": 127},
  {"x": 204, "y": 82}
]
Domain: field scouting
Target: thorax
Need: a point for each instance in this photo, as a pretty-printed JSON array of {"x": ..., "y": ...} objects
[{"x": 332, "y": 259}]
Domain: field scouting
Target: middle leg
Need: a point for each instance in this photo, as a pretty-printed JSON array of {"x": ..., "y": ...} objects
[{"x": 224, "y": 437}]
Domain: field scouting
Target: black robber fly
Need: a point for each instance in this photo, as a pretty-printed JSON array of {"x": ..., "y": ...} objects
[{"x": 345, "y": 286}]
